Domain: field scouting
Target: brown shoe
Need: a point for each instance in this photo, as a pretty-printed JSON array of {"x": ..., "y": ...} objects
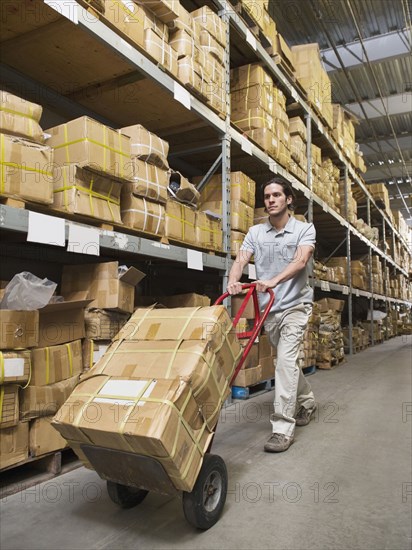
[
  {"x": 277, "y": 443},
  {"x": 304, "y": 416}
]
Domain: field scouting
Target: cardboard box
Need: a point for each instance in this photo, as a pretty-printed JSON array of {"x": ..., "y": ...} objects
[
  {"x": 147, "y": 146},
  {"x": 268, "y": 367},
  {"x": 252, "y": 97},
  {"x": 89, "y": 143},
  {"x": 56, "y": 363},
  {"x": 9, "y": 405},
  {"x": 241, "y": 215},
  {"x": 27, "y": 170},
  {"x": 181, "y": 300},
  {"x": 211, "y": 324},
  {"x": 327, "y": 304},
  {"x": 20, "y": 117},
  {"x": 143, "y": 215},
  {"x": 158, "y": 49},
  {"x": 14, "y": 445},
  {"x": 148, "y": 181},
  {"x": 266, "y": 139},
  {"x": 61, "y": 322},
  {"x": 252, "y": 358},
  {"x": 248, "y": 377},
  {"x": 155, "y": 24},
  {"x": 250, "y": 75},
  {"x": 18, "y": 329},
  {"x": 43, "y": 438},
  {"x": 207, "y": 372},
  {"x": 14, "y": 367},
  {"x": 208, "y": 232},
  {"x": 236, "y": 241},
  {"x": 103, "y": 324},
  {"x": 192, "y": 76},
  {"x": 80, "y": 191},
  {"x": 37, "y": 401},
  {"x": 237, "y": 301},
  {"x": 161, "y": 420},
  {"x": 105, "y": 287},
  {"x": 128, "y": 17},
  {"x": 265, "y": 348},
  {"x": 180, "y": 222},
  {"x": 92, "y": 351},
  {"x": 260, "y": 216},
  {"x": 165, "y": 10},
  {"x": 182, "y": 190},
  {"x": 211, "y": 22},
  {"x": 211, "y": 46},
  {"x": 242, "y": 188},
  {"x": 297, "y": 127},
  {"x": 185, "y": 45}
]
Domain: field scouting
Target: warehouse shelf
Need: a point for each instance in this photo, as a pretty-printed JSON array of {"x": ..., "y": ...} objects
[
  {"x": 284, "y": 80},
  {"x": 194, "y": 116},
  {"x": 17, "y": 219}
]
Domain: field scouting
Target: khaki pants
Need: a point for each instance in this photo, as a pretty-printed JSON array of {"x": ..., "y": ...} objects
[{"x": 292, "y": 390}]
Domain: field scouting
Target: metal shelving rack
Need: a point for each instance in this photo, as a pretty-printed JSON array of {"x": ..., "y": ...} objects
[{"x": 17, "y": 220}]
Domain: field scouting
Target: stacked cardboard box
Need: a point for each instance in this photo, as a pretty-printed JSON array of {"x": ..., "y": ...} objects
[
  {"x": 144, "y": 196},
  {"x": 352, "y": 211},
  {"x": 380, "y": 194},
  {"x": 156, "y": 37},
  {"x": 337, "y": 270},
  {"x": 377, "y": 329},
  {"x": 26, "y": 163},
  {"x": 377, "y": 276},
  {"x": 329, "y": 177},
  {"x": 173, "y": 368},
  {"x": 128, "y": 18},
  {"x": 298, "y": 143},
  {"x": 330, "y": 346},
  {"x": 371, "y": 233},
  {"x": 242, "y": 189},
  {"x": 91, "y": 162},
  {"x": 309, "y": 348},
  {"x": 358, "y": 339},
  {"x": 344, "y": 132},
  {"x": 259, "y": 110},
  {"x": 314, "y": 79},
  {"x": 359, "y": 274}
]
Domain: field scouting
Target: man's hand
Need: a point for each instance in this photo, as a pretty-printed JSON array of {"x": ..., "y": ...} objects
[
  {"x": 262, "y": 286},
  {"x": 234, "y": 288}
]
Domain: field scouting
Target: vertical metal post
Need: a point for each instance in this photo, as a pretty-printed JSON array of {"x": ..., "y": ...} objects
[
  {"x": 384, "y": 263},
  {"x": 368, "y": 221},
  {"x": 348, "y": 262},
  {"x": 309, "y": 178},
  {"x": 226, "y": 145}
]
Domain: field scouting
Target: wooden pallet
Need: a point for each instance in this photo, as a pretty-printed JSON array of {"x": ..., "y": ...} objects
[
  {"x": 327, "y": 365},
  {"x": 35, "y": 470},
  {"x": 239, "y": 392}
]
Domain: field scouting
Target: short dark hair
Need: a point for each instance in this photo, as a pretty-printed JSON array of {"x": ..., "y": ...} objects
[{"x": 287, "y": 189}]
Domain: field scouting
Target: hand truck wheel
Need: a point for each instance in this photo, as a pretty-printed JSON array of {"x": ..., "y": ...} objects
[
  {"x": 203, "y": 506},
  {"x": 125, "y": 496}
]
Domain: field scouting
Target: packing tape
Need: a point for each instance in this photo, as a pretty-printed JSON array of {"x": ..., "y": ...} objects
[{"x": 70, "y": 357}]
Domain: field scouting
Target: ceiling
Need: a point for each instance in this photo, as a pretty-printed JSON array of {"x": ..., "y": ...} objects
[{"x": 366, "y": 49}]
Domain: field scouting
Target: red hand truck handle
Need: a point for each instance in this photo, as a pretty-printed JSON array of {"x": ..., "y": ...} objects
[{"x": 260, "y": 318}]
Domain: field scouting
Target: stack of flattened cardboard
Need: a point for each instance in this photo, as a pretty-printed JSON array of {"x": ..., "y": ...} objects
[
  {"x": 26, "y": 163},
  {"x": 166, "y": 376},
  {"x": 330, "y": 346}
]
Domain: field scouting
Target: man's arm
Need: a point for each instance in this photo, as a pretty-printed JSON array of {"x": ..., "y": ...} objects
[
  {"x": 302, "y": 256},
  {"x": 241, "y": 261}
]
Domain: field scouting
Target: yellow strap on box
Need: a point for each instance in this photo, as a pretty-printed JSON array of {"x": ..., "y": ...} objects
[
  {"x": 88, "y": 140},
  {"x": 70, "y": 357},
  {"x": 1, "y": 402},
  {"x": 18, "y": 113},
  {"x": 88, "y": 192}
]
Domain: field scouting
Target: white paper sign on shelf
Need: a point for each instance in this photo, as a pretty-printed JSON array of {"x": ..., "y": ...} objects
[
  {"x": 324, "y": 285},
  {"x": 246, "y": 146},
  {"x": 345, "y": 290},
  {"x": 182, "y": 95},
  {"x": 273, "y": 166},
  {"x": 252, "y": 272},
  {"x": 356, "y": 291},
  {"x": 251, "y": 39},
  {"x": 46, "y": 229},
  {"x": 67, "y": 8},
  {"x": 84, "y": 240},
  {"x": 194, "y": 259}
]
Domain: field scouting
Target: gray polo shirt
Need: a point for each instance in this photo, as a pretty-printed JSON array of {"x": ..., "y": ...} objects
[{"x": 273, "y": 250}]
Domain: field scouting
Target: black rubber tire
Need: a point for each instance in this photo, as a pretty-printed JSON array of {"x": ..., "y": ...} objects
[
  {"x": 204, "y": 505},
  {"x": 124, "y": 496}
]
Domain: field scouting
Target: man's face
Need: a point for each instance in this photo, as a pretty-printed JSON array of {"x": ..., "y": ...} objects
[{"x": 275, "y": 200}]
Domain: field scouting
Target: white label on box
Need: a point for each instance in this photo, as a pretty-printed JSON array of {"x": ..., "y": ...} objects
[
  {"x": 13, "y": 366},
  {"x": 67, "y": 8},
  {"x": 246, "y": 145},
  {"x": 84, "y": 240},
  {"x": 251, "y": 39},
  {"x": 46, "y": 229},
  {"x": 345, "y": 290},
  {"x": 252, "y": 272},
  {"x": 115, "y": 390},
  {"x": 194, "y": 259},
  {"x": 324, "y": 285},
  {"x": 182, "y": 95},
  {"x": 99, "y": 352}
]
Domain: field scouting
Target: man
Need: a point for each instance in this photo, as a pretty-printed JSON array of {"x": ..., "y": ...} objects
[{"x": 282, "y": 248}]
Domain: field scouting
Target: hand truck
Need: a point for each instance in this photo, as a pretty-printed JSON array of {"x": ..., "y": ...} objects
[{"x": 131, "y": 476}]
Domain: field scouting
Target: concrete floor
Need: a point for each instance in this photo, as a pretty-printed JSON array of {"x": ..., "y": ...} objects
[{"x": 346, "y": 482}]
